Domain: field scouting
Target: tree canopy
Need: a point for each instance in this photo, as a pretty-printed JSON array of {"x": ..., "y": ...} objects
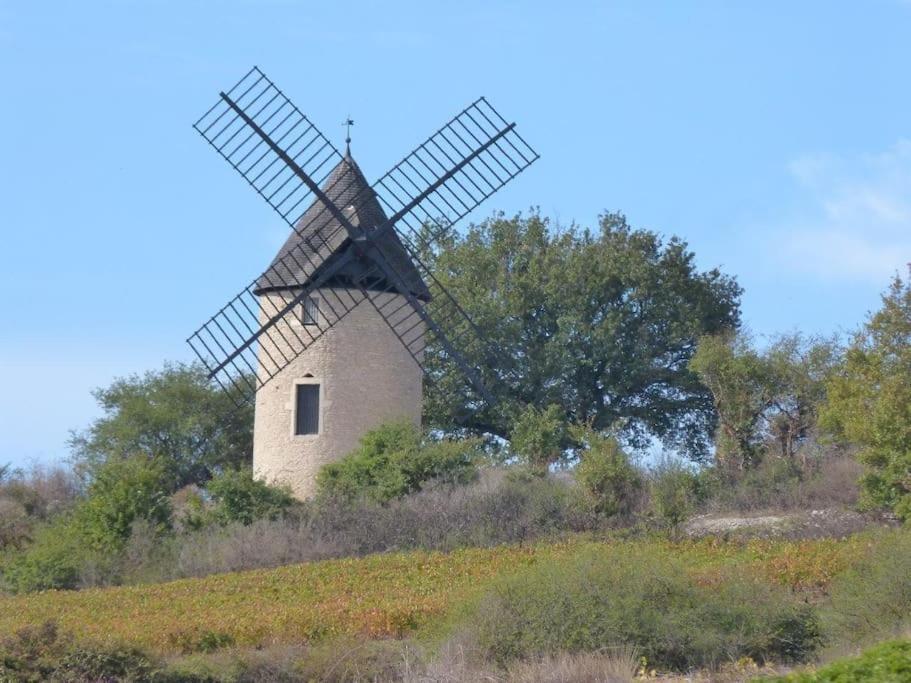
[
  {"x": 601, "y": 323},
  {"x": 869, "y": 400},
  {"x": 767, "y": 401},
  {"x": 175, "y": 415}
]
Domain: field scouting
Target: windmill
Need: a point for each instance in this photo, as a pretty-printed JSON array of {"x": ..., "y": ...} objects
[{"x": 354, "y": 263}]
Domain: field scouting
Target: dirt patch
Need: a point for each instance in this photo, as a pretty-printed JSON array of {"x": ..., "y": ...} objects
[{"x": 826, "y": 523}]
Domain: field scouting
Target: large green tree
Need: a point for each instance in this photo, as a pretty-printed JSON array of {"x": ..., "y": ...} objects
[
  {"x": 175, "y": 415},
  {"x": 869, "y": 401},
  {"x": 601, "y": 323}
]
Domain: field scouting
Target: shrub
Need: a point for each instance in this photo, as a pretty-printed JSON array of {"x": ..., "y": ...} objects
[
  {"x": 615, "y": 665},
  {"x": 337, "y": 661},
  {"x": 84, "y": 546},
  {"x": 828, "y": 480},
  {"x": 238, "y": 497},
  {"x": 773, "y": 483},
  {"x": 833, "y": 480},
  {"x": 146, "y": 556},
  {"x": 393, "y": 460},
  {"x": 873, "y": 599},
  {"x": 123, "y": 492},
  {"x": 191, "y": 508},
  {"x": 643, "y": 599},
  {"x": 44, "y": 653},
  {"x": 105, "y": 663},
  {"x": 674, "y": 493},
  {"x": 189, "y": 641},
  {"x": 610, "y": 480},
  {"x": 54, "y": 559},
  {"x": 346, "y": 661},
  {"x": 511, "y": 506},
  {"x": 268, "y": 665},
  {"x": 15, "y": 526},
  {"x": 32, "y": 653},
  {"x": 889, "y": 661},
  {"x": 354, "y": 661},
  {"x": 205, "y": 668},
  {"x": 523, "y": 506}
]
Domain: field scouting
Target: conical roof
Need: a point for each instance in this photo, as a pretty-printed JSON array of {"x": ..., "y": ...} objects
[{"x": 322, "y": 238}]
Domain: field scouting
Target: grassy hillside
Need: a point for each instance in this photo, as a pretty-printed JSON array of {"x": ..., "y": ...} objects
[{"x": 377, "y": 596}]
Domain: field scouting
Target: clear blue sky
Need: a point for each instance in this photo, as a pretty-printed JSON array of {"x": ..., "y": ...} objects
[{"x": 774, "y": 136}]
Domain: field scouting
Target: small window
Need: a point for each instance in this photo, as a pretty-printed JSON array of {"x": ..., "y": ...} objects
[
  {"x": 310, "y": 311},
  {"x": 306, "y": 413}
]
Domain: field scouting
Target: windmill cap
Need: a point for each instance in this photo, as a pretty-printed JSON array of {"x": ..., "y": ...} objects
[{"x": 318, "y": 236}]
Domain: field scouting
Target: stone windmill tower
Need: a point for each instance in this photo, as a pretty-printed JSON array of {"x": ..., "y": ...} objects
[
  {"x": 336, "y": 335},
  {"x": 315, "y": 410}
]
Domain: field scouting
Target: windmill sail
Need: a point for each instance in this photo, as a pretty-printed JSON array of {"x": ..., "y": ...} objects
[
  {"x": 251, "y": 338},
  {"x": 352, "y": 242},
  {"x": 442, "y": 180},
  {"x": 447, "y": 176},
  {"x": 238, "y": 350},
  {"x": 230, "y": 126}
]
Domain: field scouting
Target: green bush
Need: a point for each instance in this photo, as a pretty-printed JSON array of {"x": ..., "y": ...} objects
[
  {"x": 105, "y": 663},
  {"x": 674, "y": 493},
  {"x": 607, "y": 476},
  {"x": 888, "y": 662},
  {"x": 393, "y": 460},
  {"x": 646, "y": 600},
  {"x": 54, "y": 559},
  {"x": 123, "y": 491},
  {"x": 238, "y": 497},
  {"x": 873, "y": 599},
  {"x": 195, "y": 640},
  {"x": 91, "y": 538}
]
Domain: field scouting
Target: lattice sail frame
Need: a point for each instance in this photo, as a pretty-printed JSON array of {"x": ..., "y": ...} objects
[{"x": 285, "y": 158}]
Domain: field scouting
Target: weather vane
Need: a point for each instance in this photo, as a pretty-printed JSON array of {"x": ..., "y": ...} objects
[{"x": 348, "y": 122}]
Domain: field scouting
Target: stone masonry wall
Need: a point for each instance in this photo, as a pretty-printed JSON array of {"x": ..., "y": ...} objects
[{"x": 366, "y": 377}]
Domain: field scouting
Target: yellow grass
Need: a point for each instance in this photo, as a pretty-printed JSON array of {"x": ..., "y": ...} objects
[{"x": 377, "y": 596}]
